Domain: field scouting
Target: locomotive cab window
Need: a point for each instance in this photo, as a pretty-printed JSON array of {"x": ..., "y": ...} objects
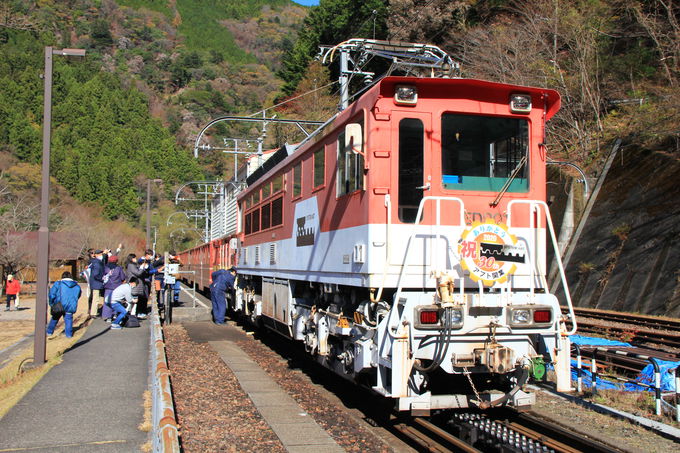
[{"x": 481, "y": 152}]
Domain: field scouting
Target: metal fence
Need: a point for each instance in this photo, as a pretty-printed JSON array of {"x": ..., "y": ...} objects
[{"x": 165, "y": 433}]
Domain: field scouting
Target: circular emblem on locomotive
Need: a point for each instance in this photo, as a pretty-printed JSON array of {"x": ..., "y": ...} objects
[{"x": 490, "y": 253}]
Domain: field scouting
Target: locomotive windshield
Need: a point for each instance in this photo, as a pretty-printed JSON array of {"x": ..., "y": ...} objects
[{"x": 480, "y": 152}]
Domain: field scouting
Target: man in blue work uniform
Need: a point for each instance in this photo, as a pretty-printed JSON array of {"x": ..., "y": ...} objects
[{"x": 222, "y": 281}]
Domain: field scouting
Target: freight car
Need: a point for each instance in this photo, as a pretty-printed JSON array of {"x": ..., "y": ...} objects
[{"x": 405, "y": 243}]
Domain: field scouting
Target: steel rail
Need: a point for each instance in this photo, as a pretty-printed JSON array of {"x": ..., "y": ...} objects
[
  {"x": 433, "y": 438},
  {"x": 629, "y": 318},
  {"x": 510, "y": 430},
  {"x": 561, "y": 439},
  {"x": 659, "y": 338}
]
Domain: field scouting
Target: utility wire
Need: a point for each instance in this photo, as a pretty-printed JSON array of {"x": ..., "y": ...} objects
[{"x": 292, "y": 99}]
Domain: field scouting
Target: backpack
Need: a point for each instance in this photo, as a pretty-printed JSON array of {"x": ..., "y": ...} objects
[{"x": 130, "y": 321}]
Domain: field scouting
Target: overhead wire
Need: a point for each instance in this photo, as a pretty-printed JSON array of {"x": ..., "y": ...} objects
[{"x": 294, "y": 98}]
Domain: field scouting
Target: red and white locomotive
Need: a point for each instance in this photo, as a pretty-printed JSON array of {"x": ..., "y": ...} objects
[{"x": 404, "y": 244}]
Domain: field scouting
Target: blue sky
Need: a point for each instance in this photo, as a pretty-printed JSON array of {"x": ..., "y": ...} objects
[{"x": 307, "y": 2}]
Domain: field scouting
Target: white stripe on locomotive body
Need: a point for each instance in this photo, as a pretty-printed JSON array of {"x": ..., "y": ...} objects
[{"x": 357, "y": 256}]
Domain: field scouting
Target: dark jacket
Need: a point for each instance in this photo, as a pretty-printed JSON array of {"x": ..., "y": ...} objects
[
  {"x": 114, "y": 276},
  {"x": 96, "y": 274},
  {"x": 67, "y": 292},
  {"x": 223, "y": 280},
  {"x": 133, "y": 270}
]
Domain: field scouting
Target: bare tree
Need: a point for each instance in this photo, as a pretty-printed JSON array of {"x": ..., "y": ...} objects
[
  {"x": 660, "y": 20},
  {"x": 13, "y": 20},
  {"x": 546, "y": 43},
  {"x": 16, "y": 253},
  {"x": 425, "y": 20}
]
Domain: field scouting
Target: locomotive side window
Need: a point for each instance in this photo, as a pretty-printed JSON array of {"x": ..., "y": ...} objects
[
  {"x": 297, "y": 180},
  {"x": 277, "y": 184},
  {"x": 481, "y": 152},
  {"x": 266, "y": 218},
  {"x": 350, "y": 167},
  {"x": 411, "y": 143},
  {"x": 277, "y": 211},
  {"x": 249, "y": 224},
  {"x": 256, "y": 220},
  {"x": 319, "y": 167}
]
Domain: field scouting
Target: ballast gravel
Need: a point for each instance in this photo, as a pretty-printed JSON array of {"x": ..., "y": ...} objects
[
  {"x": 216, "y": 415},
  {"x": 213, "y": 412}
]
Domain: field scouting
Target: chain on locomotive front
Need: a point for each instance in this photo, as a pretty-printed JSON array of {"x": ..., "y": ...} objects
[{"x": 405, "y": 245}]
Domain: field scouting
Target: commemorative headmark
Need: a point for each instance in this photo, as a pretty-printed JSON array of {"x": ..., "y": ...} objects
[{"x": 490, "y": 253}]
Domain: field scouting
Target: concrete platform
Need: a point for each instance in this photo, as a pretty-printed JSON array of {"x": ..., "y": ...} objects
[
  {"x": 296, "y": 429},
  {"x": 91, "y": 402},
  {"x": 194, "y": 307}
]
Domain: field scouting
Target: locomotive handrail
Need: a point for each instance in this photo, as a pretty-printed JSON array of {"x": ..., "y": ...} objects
[
  {"x": 388, "y": 207},
  {"x": 556, "y": 249},
  {"x": 419, "y": 215}
]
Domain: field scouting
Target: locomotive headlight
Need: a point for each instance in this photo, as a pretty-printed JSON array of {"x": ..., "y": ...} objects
[
  {"x": 405, "y": 94},
  {"x": 520, "y": 103},
  {"x": 456, "y": 315},
  {"x": 521, "y": 316},
  {"x": 532, "y": 316}
]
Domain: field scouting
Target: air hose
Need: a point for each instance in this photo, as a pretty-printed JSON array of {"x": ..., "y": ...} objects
[
  {"x": 523, "y": 378},
  {"x": 442, "y": 347}
]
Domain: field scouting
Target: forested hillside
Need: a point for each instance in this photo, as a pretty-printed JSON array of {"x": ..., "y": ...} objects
[
  {"x": 615, "y": 63},
  {"x": 156, "y": 71}
]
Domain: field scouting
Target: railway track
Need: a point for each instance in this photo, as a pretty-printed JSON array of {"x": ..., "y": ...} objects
[
  {"x": 627, "y": 364},
  {"x": 632, "y": 334},
  {"x": 646, "y": 321},
  {"x": 498, "y": 431},
  {"x": 651, "y": 331}
]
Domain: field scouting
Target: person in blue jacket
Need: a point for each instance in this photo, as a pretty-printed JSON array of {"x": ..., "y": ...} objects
[
  {"x": 66, "y": 291},
  {"x": 222, "y": 281}
]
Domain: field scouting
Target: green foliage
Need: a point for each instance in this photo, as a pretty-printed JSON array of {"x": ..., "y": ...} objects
[
  {"x": 100, "y": 34},
  {"x": 200, "y": 25},
  {"x": 102, "y": 135},
  {"x": 160, "y": 6},
  {"x": 332, "y": 22}
]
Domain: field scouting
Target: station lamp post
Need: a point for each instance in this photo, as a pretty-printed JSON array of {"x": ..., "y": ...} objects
[
  {"x": 148, "y": 210},
  {"x": 40, "y": 338}
]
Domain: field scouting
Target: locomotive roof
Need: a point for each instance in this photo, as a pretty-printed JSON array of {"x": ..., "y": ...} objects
[{"x": 427, "y": 88}]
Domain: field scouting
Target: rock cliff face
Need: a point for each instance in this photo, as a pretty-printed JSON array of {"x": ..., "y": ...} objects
[{"x": 627, "y": 257}]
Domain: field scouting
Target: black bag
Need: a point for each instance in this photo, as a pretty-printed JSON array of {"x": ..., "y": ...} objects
[
  {"x": 57, "y": 310},
  {"x": 130, "y": 321}
]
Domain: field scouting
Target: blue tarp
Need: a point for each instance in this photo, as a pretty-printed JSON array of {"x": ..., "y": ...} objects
[
  {"x": 582, "y": 340},
  {"x": 646, "y": 376},
  {"x": 667, "y": 370}
]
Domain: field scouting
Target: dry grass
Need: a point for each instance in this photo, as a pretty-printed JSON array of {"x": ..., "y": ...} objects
[
  {"x": 637, "y": 403},
  {"x": 12, "y": 331},
  {"x": 15, "y": 382},
  {"x": 145, "y": 426}
]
